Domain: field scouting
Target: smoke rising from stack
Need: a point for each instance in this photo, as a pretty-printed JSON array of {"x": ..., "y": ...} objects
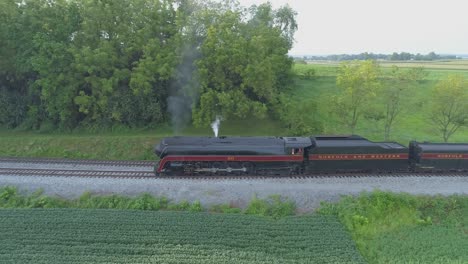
[
  {"x": 216, "y": 124},
  {"x": 180, "y": 110},
  {"x": 184, "y": 90}
]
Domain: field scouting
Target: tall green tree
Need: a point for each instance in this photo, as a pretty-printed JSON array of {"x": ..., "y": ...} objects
[
  {"x": 52, "y": 61},
  {"x": 394, "y": 93},
  {"x": 358, "y": 82},
  {"x": 244, "y": 63},
  {"x": 69, "y": 63},
  {"x": 299, "y": 117},
  {"x": 449, "y": 105},
  {"x": 125, "y": 57},
  {"x": 11, "y": 111}
]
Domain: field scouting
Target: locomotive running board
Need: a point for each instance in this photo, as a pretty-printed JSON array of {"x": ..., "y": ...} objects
[{"x": 214, "y": 170}]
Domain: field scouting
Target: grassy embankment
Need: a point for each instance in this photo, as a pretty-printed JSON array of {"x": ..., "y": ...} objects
[
  {"x": 124, "y": 145},
  {"x": 137, "y": 144}
]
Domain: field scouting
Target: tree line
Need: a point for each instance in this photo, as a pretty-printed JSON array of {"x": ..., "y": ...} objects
[
  {"x": 395, "y": 56},
  {"x": 92, "y": 63}
]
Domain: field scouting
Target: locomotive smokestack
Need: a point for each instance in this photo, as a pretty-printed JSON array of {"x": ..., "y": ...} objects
[{"x": 215, "y": 125}]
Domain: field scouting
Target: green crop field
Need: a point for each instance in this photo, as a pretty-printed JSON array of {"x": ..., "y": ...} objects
[
  {"x": 401, "y": 228},
  {"x": 435, "y": 69},
  {"x": 126, "y": 236}
]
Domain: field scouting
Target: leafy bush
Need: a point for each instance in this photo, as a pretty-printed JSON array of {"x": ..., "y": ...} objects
[
  {"x": 281, "y": 207},
  {"x": 273, "y": 206},
  {"x": 257, "y": 207},
  {"x": 310, "y": 74},
  {"x": 225, "y": 208},
  {"x": 184, "y": 205},
  {"x": 387, "y": 210},
  {"x": 146, "y": 202},
  {"x": 299, "y": 125},
  {"x": 9, "y": 198}
]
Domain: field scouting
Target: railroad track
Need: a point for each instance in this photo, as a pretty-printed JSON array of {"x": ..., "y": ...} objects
[
  {"x": 318, "y": 176},
  {"x": 150, "y": 174},
  {"x": 76, "y": 173},
  {"x": 45, "y": 161},
  {"x": 113, "y": 170}
]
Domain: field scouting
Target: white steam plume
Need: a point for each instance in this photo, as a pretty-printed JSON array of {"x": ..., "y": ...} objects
[{"x": 215, "y": 125}]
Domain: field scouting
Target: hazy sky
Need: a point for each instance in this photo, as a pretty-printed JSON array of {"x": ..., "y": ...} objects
[{"x": 355, "y": 26}]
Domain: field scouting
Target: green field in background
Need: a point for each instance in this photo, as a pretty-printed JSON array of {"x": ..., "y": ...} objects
[
  {"x": 436, "y": 69},
  {"x": 412, "y": 124}
]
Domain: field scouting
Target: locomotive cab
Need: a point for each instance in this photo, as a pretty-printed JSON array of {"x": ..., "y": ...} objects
[{"x": 297, "y": 145}]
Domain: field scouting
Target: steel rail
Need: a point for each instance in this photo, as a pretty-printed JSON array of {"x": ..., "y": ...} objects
[
  {"x": 45, "y": 161},
  {"x": 151, "y": 175},
  {"x": 76, "y": 173}
]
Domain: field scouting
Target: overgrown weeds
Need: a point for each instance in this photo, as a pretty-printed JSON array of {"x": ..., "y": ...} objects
[{"x": 274, "y": 206}]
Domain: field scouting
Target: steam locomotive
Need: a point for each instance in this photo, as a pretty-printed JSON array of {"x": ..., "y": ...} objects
[{"x": 304, "y": 155}]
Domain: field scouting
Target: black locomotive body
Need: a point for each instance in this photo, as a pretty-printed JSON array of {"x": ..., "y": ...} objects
[
  {"x": 231, "y": 155},
  {"x": 331, "y": 154},
  {"x": 303, "y": 155},
  {"x": 438, "y": 156}
]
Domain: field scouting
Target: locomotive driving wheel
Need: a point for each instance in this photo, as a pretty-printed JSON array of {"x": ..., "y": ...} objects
[{"x": 250, "y": 168}]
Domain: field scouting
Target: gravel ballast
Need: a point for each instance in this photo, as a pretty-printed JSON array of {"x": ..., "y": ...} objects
[{"x": 307, "y": 193}]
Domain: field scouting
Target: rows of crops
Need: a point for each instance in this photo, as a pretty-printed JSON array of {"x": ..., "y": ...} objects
[
  {"x": 124, "y": 236},
  {"x": 438, "y": 244}
]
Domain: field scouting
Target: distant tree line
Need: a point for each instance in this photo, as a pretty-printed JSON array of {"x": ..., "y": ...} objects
[
  {"x": 402, "y": 56},
  {"x": 72, "y": 63}
]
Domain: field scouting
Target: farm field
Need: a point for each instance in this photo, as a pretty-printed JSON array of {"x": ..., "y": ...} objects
[
  {"x": 438, "y": 64},
  {"x": 376, "y": 227},
  {"x": 461, "y": 64},
  {"x": 127, "y": 236},
  {"x": 401, "y": 228},
  {"x": 436, "y": 69}
]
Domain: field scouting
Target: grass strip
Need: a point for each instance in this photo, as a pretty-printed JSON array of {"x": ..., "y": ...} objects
[{"x": 273, "y": 206}]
